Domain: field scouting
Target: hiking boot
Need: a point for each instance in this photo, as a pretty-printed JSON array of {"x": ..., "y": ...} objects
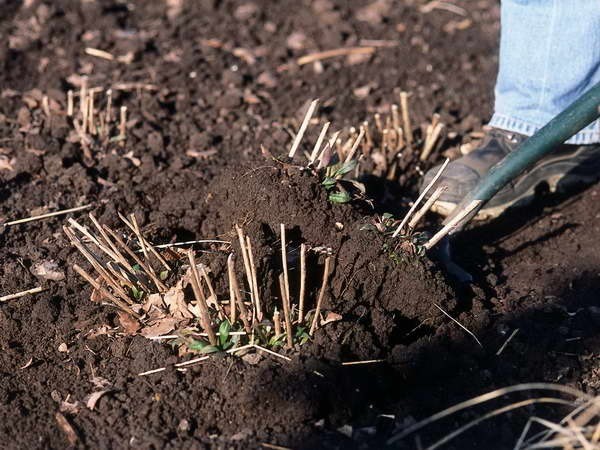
[{"x": 567, "y": 166}]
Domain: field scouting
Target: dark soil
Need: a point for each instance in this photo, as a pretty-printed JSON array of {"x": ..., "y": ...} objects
[{"x": 536, "y": 270}]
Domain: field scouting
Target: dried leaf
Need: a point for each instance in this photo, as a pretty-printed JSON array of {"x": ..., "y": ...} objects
[
  {"x": 128, "y": 323},
  {"x": 7, "y": 163},
  {"x": 66, "y": 427},
  {"x": 331, "y": 317},
  {"x": 160, "y": 327},
  {"x": 374, "y": 12},
  {"x": 92, "y": 399},
  {"x": 48, "y": 270},
  {"x": 296, "y": 40},
  {"x": 68, "y": 407},
  {"x": 174, "y": 298}
]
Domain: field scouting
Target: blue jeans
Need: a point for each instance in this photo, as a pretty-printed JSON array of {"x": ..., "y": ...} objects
[{"x": 549, "y": 56}]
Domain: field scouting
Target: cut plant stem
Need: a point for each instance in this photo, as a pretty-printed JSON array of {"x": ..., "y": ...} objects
[
  {"x": 142, "y": 240},
  {"x": 315, "y": 321},
  {"x": 102, "y": 271},
  {"x": 242, "y": 241},
  {"x": 8, "y": 297},
  {"x": 46, "y": 106},
  {"x": 213, "y": 294},
  {"x": 317, "y": 147},
  {"x": 406, "y": 118},
  {"x": 303, "y": 126},
  {"x": 232, "y": 294},
  {"x": 47, "y": 215},
  {"x": 70, "y": 103},
  {"x": 352, "y": 151},
  {"x": 426, "y": 207},
  {"x": 238, "y": 298},
  {"x": 286, "y": 279},
  {"x": 92, "y": 125},
  {"x": 123, "y": 123},
  {"x": 420, "y": 198},
  {"x": 119, "y": 257},
  {"x": 83, "y": 98},
  {"x": 286, "y": 312},
  {"x": 107, "y": 117},
  {"x": 302, "y": 282},
  {"x": 104, "y": 292},
  {"x": 449, "y": 227},
  {"x": 201, "y": 300},
  {"x": 259, "y": 313},
  {"x": 431, "y": 141},
  {"x": 325, "y": 154},
  {"x": 277, "y": 323},
  {"x": 159, "y": 284}
]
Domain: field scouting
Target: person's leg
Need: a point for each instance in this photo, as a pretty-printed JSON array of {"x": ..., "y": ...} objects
[{"x": 549, "y": 56}]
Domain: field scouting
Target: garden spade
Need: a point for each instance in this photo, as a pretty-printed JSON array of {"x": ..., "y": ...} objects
[{"x": 573, "y": 119}]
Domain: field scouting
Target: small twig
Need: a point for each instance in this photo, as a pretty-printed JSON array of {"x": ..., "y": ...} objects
[
  {"x": 319, "y": 56},
  {"x": 459, "y": 324},
  {"x": 357, "y": 363},
  {"x": 35, "y": 290},
  {"x": 201, "y": 300},
  {"x": 193, "y": 361},
  {"x": 303, "y": 126},
  {"x": 286, "y": 312},
  {"x": 315, "y": 321},
  {"x": 99, "y": 53},
  {"x": 201, "y": 241},
  {"x": 421, "y": 197},
  {"x": 271, "y": 352},
  {"x": 302, "y": 282},
  {"x": 45, "y": 216},
  {"x": 512, "y": 335},
  {"x": 274, "y": 447}
]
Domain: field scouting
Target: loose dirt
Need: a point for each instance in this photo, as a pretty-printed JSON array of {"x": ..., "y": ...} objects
[{"x": 215, "y": 80}]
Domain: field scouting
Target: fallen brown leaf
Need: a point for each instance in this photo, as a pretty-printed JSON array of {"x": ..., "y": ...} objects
[
  {"x": 160, "y": 327},
  {"x": 66, "y": 427},
  {"x": 128, "y": 323}
]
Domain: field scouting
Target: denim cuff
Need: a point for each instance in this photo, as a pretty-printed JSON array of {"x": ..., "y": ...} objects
[{"x": 589, "y": 135}]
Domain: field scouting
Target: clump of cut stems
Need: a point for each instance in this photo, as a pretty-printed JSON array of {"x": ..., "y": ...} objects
[{"x": 172, "y": 295}]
